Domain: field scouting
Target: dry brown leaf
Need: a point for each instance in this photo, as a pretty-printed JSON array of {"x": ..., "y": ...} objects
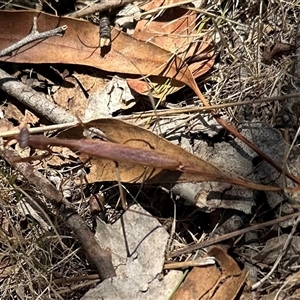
[
  {"x": 6, "y": 267},
  {"x": 12, "y": 112},
  {"x": 79, "y": 45},
  {"x": 136, "y": 137},
  {"x": 29, "y": 118},
  {"x": 6, "y": 125},
  {"x": 91, "y": 83},
  {"x": 211, "y": 282},
  {"x": 13, "y": 117}
]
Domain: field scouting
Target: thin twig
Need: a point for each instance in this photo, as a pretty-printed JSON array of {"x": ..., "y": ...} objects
[
  {"x": 34, "y": 35},
  {"x": 227, "y": 236},
  {"x": 65, "y": 280},
  {"x": 201, "y": 262},
  {"x": 205, "y": 109},
  {"x": 151, "y": 113},
  {"x": 40, "y": 129}
]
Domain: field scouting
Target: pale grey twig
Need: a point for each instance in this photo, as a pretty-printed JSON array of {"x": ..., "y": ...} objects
[{"x": 34, "y": 36}]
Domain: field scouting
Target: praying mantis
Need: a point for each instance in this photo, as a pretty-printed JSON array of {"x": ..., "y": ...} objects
[{"x": 102, "y": 149}]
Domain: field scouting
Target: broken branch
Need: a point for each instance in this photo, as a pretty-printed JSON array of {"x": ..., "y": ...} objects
[{"x": 99, "y": 256}]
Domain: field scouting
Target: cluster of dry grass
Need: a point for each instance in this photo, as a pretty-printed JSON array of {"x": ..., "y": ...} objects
[{"x": 246, "y": 68}]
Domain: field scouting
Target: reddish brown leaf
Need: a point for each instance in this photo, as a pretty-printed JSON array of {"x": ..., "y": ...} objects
[
  {"x": 176, "y": 31},
  {"x": 79, "y": 45}
]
